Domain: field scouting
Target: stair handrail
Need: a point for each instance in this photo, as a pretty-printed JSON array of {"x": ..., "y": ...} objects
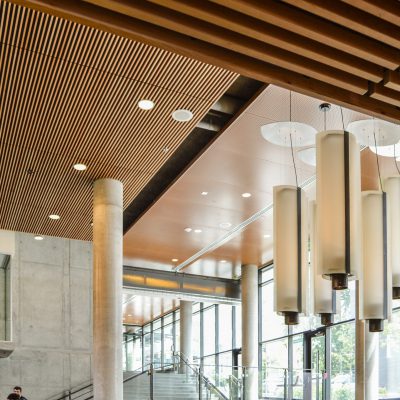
[{"x": 201, "y": 376}]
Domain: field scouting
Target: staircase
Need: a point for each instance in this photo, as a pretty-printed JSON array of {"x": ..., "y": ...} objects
[{"x": 166, "y": 386}]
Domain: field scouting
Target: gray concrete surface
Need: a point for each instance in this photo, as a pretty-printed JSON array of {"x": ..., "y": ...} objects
[{"x": 51, "y": 316}]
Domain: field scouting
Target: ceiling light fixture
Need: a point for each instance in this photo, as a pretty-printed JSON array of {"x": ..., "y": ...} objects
[
  {"x": 308, "y": 156},
  {"x": 146, "y": 104},
  {"x": 38, "y": 237},
  {"x": 267, "y": 236},
  {"x": 54, "y": 216},
  {"x": 174, "y": 260},
  {"x": 386, "y": 133},
  {"x": 246, "y": 195},
  {"x": 281, "y": 134},
  {"x": 188, "y": 230},
  {"x": 387, "y": 151},
  {"x": 223, "y": 261},
  {"x": 225, "y": 225},
  {"x": 182, "y": 115},
  {"x": 204, "y": 193},
  {"x": 198, "y": 231},
  {"x": 80, "y": 167}
]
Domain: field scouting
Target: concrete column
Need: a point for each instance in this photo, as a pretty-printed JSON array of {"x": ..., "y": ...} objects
[
  {"x": 371, "y": 365},
  {"x": 250, "y": 329},
  {"x": 185, "y": 338},
  {"x": 360, "y": 346},
  {"x": 107, "y": 290}
]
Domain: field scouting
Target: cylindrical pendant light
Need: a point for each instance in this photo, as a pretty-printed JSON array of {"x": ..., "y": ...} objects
[
  {"x": 392, "y": 188},
  {"x": 290, "y": 252},
  {"x": 339, "y": 206},
  {"x": 375, "y": 298},
  {"x": 323, "y": 298}
]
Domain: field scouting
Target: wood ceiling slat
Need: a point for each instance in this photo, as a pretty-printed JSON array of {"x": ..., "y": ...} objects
[
  {"x": 382, "y": 93},
  {"x": 238, "y": 43},
  {"x": 276, "y": 36},
  {"x": 287, "y": 17},
  {"x": 388, "y": 10},
  {"x": 392, "y": 80},
  {"x": 352, "y": 18},
  {"x": 64, "y": 100}
]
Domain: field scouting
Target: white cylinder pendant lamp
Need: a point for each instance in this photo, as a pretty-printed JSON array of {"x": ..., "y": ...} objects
[
  {"x": 290, "y": 252},
  {"x": 323, "y": 298},
  {"x": 375, "y": 296},
  {"x": 392, "y": 188},
  {"x": 339, "y": 207}
]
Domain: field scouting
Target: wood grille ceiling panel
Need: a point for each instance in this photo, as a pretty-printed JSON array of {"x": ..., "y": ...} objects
[
  {"x": 69, "y": 94},
  {"x": 344, "y": 51}
]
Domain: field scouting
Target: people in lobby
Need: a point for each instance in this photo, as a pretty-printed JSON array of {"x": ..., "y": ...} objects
[
  {"x": 13, "y": 396},
  {"x": 18, "y": 390}
]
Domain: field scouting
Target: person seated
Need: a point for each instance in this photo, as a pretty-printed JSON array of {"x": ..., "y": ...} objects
[{"x": 13, "y": 396}]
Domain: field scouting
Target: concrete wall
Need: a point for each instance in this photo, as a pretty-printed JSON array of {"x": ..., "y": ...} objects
[{"x": 51, "y": 316}]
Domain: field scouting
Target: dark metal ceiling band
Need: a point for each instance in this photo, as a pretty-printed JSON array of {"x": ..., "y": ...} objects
[
  {"x": 347, "y": 200},
  {"x": 385, "y": 266},
  {"x": 299, "y": 253}
]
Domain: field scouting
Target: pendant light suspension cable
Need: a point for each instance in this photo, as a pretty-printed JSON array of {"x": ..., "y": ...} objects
[
  {"x": 341, "y": 112},
  {"x": 291, "y": 139}
]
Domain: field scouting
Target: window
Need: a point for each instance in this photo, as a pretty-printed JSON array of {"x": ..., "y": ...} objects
[
  {"x": 225, "y": 327},
  {"x": 209, "y": 330}
]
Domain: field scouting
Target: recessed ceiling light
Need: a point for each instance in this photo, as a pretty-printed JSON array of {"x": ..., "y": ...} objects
[
  {"x": 197, "y": 231},
  {"x": 174, "y": 260},
  {"x": 204, "y": 193},
  {"x": 188, "y": 229},
  {"x": 54, "y": 216},
  {"x": 223, "y": 261},
  {"x": 246, "y": 194},
  {"x": 182, "y": 115},
  {"x": 80, "y": 167},
  {"x": 38, "y": 237},
  {"x": 225, "y": 225},
  {"x": 91, "y": 224},
  {"x": 129, "y": 315},
  {"x": 146, "y": 104},
  {"x": 267, "y": 236}
]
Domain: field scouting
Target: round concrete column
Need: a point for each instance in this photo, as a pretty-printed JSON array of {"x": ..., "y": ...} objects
[
  {"x": 185, "y": 338},
  {"x": 250, "y": 329},
  {"x": 107, "y": 290}
]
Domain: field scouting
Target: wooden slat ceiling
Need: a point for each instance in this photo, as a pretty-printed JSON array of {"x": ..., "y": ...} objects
[
  {"x": 346, "y": 52},
  {"x": 69, "y": 94}
]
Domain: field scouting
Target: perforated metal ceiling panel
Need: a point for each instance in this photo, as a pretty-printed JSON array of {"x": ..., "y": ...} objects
[{"x": 69, "y": 95}]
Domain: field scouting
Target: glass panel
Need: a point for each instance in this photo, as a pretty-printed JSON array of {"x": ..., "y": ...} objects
[
  {"x": 274, "y": 360},
  {"x": 177, "y": 335},
  {"x": 272, "y": 324},
  {"x": 157, "y": 338},
  {"x": 147, "y": 349},
  {"x": 168, "y": 319},
  {"x": 156, "y": 324},
  {"x": 238, "y": 326},
  {"x": 297, "y": 373},
  {"x": 196, "y": 335},
  {"x": 147, "y": 328},
  {"x": 168, "y": 344},
  {"x": 317, "y": 365},
  {"x": 389, "y": 359},
  {"x": 196, "y": 307},
  {"x": 5, "y": 320},
  {"x": 346, "y": 303},
  {"x": 209, "y": 367},
  {"x": 209, "y": 330},
  {"x": 225, "y": 327},
  {"x": 343, "y": 361},
  {"x": 267, "y": 274}
]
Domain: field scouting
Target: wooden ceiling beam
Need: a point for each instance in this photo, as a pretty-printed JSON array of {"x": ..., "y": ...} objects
[
  {"x": 315, "y": 28},
  {"x": 275, "y": 36},
  {"x": 392, "y": 80},
  {"x": 140, "y": 31},
  {"x": 352, "y": 18},
  {"x": 388, "y": 10},
  {"x": 230, "y": 40},
  {"x": 382, "y": 93}
]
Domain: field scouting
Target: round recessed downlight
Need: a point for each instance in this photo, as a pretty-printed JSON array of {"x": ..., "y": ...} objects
[
  {"x": 146, "y": 104},
  {"x": 188, "y": 230},
  {"x": 204, "y": 193},
  {"x": 308, "y": 156},
  {"x": 38, "y": 237},
  {"x": 54, "y": 216},
  {"x": 279, "y": 133},
  {"x": 174, "y": 260},
  {"x": 386, "y": 133},
  {"x": 182, "y": 115},
  {"x": 80, "y": 167},
  {"x": 387, "y": 151},
  {"x": 223, "y": 261},
  {"x": 198, "y": 231},
  {"x": 246, "y": 195},
  {"x": 225, "y": 225},
  {"x": 267, "y": 235}
]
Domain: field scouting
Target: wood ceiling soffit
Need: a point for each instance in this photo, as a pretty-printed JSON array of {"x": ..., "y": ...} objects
[
  {"x": 268, "y": 41},
  {"x": 68, "y": 95}
]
